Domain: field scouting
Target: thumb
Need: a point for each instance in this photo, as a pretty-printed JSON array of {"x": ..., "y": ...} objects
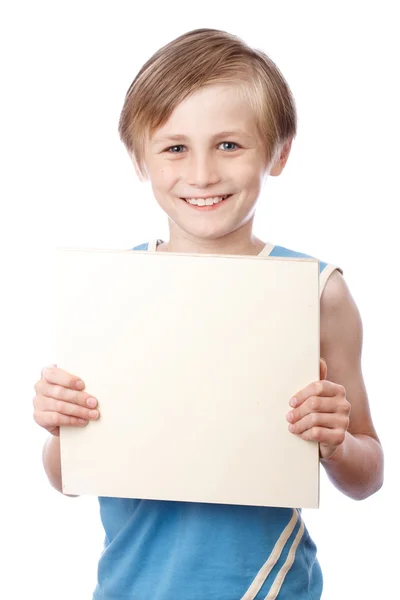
[
  {"x": 323, "y": 369},
  {"x": 44, "y": 368}
]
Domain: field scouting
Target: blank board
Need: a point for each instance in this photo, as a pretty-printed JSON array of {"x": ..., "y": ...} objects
[{"x": 193, "y": 359}]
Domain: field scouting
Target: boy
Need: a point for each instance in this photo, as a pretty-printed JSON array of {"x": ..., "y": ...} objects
[{"x": 206, "y": 120}]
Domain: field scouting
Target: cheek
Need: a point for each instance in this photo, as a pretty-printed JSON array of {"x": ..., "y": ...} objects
[
  {"x": 249, "y": 176},
  {"x": 164, "y": 177}
]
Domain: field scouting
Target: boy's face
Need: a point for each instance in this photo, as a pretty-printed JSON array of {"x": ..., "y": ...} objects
[{"x": 209, "y": 151}]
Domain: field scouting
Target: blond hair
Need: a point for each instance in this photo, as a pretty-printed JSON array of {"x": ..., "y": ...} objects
[{"x": 193, "y": 60}]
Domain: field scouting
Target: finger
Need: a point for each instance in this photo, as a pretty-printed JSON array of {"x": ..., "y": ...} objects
[
  {"x": 317, "y": 388},
  {"x": 318, "y": 404},
  {"x": 58, "y": 392},
  {"x": 54, "y": 419},
  {"x": 322, "y": 435},
  {"x": 318, "y": 420},
  {"x": 61, "y": 377},
  {"x": 67, "y": 408}
]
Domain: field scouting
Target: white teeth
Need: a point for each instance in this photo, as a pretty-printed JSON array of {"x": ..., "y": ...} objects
[{"x": 205, "y": 201}]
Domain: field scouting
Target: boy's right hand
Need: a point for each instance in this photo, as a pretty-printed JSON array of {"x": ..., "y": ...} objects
[{"x": 60, "y": 400}]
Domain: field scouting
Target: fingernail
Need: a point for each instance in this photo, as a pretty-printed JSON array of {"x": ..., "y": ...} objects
[
  {"x": 93, "y": 414},
  {"x": 293, "y": 402},
  {"x": 290, "y": 416},
  {"x": 79, "y": 384},
  {"x": 291, "y": 428},
  {"x": 91, "y": 402}
]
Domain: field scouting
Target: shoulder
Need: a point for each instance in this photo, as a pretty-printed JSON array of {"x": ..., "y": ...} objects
[
  {"x": 341, "y": 326},
  {"x": 325, "y": 269},
  {"x": 336, "y": 297},
  {"x": 341, "y": 323}
]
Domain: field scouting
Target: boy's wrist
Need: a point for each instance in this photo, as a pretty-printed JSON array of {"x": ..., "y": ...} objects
[{"x": 336, "y": 456}]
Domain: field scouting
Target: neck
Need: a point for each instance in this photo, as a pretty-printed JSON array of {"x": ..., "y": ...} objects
[{"x": 240, "y": 242}]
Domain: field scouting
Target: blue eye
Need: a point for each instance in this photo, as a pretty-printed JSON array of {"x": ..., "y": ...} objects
[
  {"x": 175, "y": 149},
  {"x": 179, "y": 148},
  {"x": 228, "y": 145}
]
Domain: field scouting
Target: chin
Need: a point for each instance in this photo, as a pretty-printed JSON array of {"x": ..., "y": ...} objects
[{"x": 208, "y": 232}]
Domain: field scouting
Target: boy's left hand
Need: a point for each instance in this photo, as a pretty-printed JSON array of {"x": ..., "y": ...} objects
[{"x": 321, "y": 413}]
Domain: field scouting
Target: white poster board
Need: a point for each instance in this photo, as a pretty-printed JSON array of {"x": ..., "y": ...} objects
[{"x": 193, "y": 359}]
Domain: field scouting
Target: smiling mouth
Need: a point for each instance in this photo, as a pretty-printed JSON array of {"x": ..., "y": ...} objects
[{"x": 212, "y": 201}]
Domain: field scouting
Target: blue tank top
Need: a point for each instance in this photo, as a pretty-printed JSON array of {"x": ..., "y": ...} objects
[{"x": 158, "y": 550}]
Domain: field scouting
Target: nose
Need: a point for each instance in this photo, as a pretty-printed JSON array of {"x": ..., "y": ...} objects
[{"x": 201, "y": 171}]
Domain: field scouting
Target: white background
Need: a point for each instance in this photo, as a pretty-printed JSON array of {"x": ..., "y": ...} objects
[{"x": 67, "y": 181}]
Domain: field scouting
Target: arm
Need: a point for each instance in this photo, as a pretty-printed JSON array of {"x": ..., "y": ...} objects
[
  {"x": 336, "y": 412},
  {"x": 60, "y": 400},
  {"x": 356, "y": 468},
  {"x": 52, "y": 462}
]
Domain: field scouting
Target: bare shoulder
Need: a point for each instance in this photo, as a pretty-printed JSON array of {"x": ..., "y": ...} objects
[
  {"x": 340, "y": 317},
  {"x": 341, "y": 326},
  {"x": 336, "y": 295}
]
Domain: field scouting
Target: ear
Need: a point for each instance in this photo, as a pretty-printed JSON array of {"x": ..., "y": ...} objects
[
  {"x": 139, "y": 172},
  {"x": 280, "y": 161}
]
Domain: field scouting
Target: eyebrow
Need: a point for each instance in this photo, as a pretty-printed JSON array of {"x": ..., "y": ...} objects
[{"x": 184, "y": 138}]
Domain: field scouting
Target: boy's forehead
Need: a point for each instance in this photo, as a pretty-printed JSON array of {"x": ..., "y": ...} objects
[{"x": 213, "y": 108}]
